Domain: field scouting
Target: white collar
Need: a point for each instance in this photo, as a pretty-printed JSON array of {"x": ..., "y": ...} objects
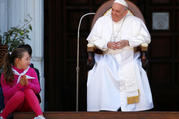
[{"x": 21, "y": 74}]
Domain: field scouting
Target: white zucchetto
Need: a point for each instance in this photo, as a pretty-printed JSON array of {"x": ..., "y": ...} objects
[{"x": 122, "y": 2}]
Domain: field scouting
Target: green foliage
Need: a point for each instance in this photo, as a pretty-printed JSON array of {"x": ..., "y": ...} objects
[{"x": 16, "y": 36}]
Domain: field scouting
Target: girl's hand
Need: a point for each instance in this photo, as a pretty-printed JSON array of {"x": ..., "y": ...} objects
[{"x": 24, "y": 81}]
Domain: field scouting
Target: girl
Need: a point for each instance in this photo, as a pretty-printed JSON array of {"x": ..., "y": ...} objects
[{"x": 20, "y": 84}]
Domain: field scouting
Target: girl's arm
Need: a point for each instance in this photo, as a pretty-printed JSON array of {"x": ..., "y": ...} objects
[
  {"x": 9, "y": 90},
  {"x": 33, "y": 83}
]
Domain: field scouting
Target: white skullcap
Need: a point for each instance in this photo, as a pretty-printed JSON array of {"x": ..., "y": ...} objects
[{"x": 122, "y": 2}]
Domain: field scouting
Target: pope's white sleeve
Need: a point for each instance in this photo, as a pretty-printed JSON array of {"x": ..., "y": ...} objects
[
  {"x": 137, "y": 33},
  {"x": 95, "y": 36}
]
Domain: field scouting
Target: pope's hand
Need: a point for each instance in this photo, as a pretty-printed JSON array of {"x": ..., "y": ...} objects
[
  {"x": 112, "y": 45},
  {"x": 122, "y": 43}
]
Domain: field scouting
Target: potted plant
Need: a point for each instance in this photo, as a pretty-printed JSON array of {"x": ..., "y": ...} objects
[{"x": 14, "y": 37}]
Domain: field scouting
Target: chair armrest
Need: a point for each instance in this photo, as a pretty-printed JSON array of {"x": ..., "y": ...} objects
[
  {"x": 91, "y": 47},
  {"x": 94, "y": 49},
  {"x": 144, "y": 47},
  {"x": 144, "y": 60},
  {"x": 90, "y": 61}
]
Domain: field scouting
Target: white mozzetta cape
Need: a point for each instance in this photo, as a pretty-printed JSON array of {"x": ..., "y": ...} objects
[{"x": 118, "y": 74}]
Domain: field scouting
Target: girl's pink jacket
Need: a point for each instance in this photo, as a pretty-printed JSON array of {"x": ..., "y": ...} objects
[{"x": 10, "y": 90}]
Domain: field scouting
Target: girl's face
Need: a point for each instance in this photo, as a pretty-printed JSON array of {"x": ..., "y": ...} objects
[{"x": 24, "y": 62}]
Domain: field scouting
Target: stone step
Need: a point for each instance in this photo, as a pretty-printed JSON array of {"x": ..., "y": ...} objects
[{"x": 101, "y": 115}]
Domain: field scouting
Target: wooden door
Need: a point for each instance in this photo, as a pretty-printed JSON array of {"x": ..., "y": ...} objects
[{"x": 162, "y": 17}]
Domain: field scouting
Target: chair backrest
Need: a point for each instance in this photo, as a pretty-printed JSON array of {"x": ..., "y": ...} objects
[{"x": 108, "y": 5}]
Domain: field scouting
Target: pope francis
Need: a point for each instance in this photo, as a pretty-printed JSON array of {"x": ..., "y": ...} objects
[{"x": 117, "y": 80}]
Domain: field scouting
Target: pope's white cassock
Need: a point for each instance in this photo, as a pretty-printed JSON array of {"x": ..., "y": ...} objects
[{"x": 117, "y": 79}]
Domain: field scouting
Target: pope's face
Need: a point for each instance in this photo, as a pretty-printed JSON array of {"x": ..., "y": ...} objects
[{"x": 118, "y": 12}]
